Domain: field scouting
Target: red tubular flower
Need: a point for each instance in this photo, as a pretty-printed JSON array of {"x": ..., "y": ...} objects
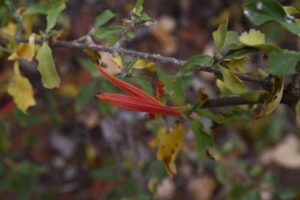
[{"x": 137, "y": 100}]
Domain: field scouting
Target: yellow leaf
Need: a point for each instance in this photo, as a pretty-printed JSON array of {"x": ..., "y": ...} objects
[
  {"x": 9, "y": 31},
  {"x": 171, "y": 141},
  {"x": 68, "y": 89},
  {"x": 273, "y": 100},
  {"x": 25, "y": 50},
  {"x": 253, "y": 38},
  {"x": 237, "y": 64},
  {"x": 95, "y": 56},
  {"x": 232, "y": 82},
  {"x": 144, "y": 64},
  {"x": 28, "y": 22},
  {"x": 21, "y": 90},
  {"x": 118, "y": 60}
]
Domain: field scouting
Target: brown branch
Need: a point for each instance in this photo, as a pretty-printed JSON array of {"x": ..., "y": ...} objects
[{"x": 155, "y": 57}]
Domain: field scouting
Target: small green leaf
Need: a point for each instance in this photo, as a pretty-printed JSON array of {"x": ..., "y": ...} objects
[
  {"x": 197, "y": 61},
  {"x": 144, "y": 82},
  {"x": 103, "y": 33},
  {"x": 37, "y": 8},
  {"x": 228, "y": 118},
  {"x": 173, "y": 87},
  {"x": 103, "y": 18},
  {"x": 203, "y": 139},
  {"x": 220, "y": 36},
  {"x": 232, "y": 40},
  {"x": 257, "y": 39},
  {"x": 55, "y": 9},
  {"x": 291, "y": 10},
  {"x": 11, "y": 6},
  {"x": 138, "y": 8},
  {"x": 46, "y": 67},
  {"x": 283, "y": 63},
  {"x": 253, "y": 38},
  {"x": 232, "y": 82},
  {"x": 107, "y": 174},
  {"x": 90, "y": 67},
  {"x": 240, "y": 52},
  {"x": 219, "y": 119},
  {"x": 84, "y": 95}
]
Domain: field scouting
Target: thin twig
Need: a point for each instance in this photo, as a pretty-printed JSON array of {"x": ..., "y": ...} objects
[{"x": 155, "y": 57}]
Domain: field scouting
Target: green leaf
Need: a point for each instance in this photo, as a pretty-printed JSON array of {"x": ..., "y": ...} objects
[
  {"x": 173, "y": 87},
  {"x": 84, "y": 95},
  {"x": 37, "y": 8},
  {"x": 55, "y": 9},
  {"x": 232, "y": 40},
  {"x": 46, "y": 67},
  {"x": 203, "y": 139},
  {"x": 220, "y": 36},
  {"x": 253, "y": 38},
  {"x": 90, "y": 67},
  {"x": 290, "y": 10},
  {"x": 283, "y": 63},
  {"x": 232, "y": 82},
  {"x": 104, "y": 18},
  {"x": 138, "y": 8},
  {"x": 144, "y": 82},
  {"x": 11, "y": 6},
  {"x": 103, "y": 33},
  {"x": 240, "y": 52},
  {"x": 228, "y": 118},
  {"x": 196, "y": 61},
  {"x": 263, "y": 11},
  {"x": 257, "y": 39},
  {"x": 107, "y": 174},
  {"x": 219, "y": 119}
]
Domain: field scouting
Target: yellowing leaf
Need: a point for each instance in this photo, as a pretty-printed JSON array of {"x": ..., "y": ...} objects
[
  {"x": 232, "y": 82},
  {"x": 68, "y": 89},
  {"x": 220, "y": 36},
  {"x": 144, "y": 64},
  {"x": 21, "y": 90},
  {"x": 274, "y": 98},
  {"x": 170, "y": 143},
  {"x": 46, "y": 67},
  {"x": 118, "y": 60},
  {"x": 237, "y": 64},
  {"x": 9, "y": 31},
  {"x": 253, "y": 38},
  {"x": 25, "y": 50},
  {"x": 28, "y": 22}
]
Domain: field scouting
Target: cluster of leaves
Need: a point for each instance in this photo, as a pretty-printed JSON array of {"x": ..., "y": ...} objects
[{"x": 231, "y": 57}]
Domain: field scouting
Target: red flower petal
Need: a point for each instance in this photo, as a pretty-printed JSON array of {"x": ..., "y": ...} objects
[
  {"x": 137, "y": 104},
  {"x": 131, "y": 89}
]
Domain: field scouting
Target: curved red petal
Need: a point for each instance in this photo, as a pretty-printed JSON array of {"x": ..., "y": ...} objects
[
  {"x": 131, "y": 89},
  {"x": 137, "y": 104}
]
